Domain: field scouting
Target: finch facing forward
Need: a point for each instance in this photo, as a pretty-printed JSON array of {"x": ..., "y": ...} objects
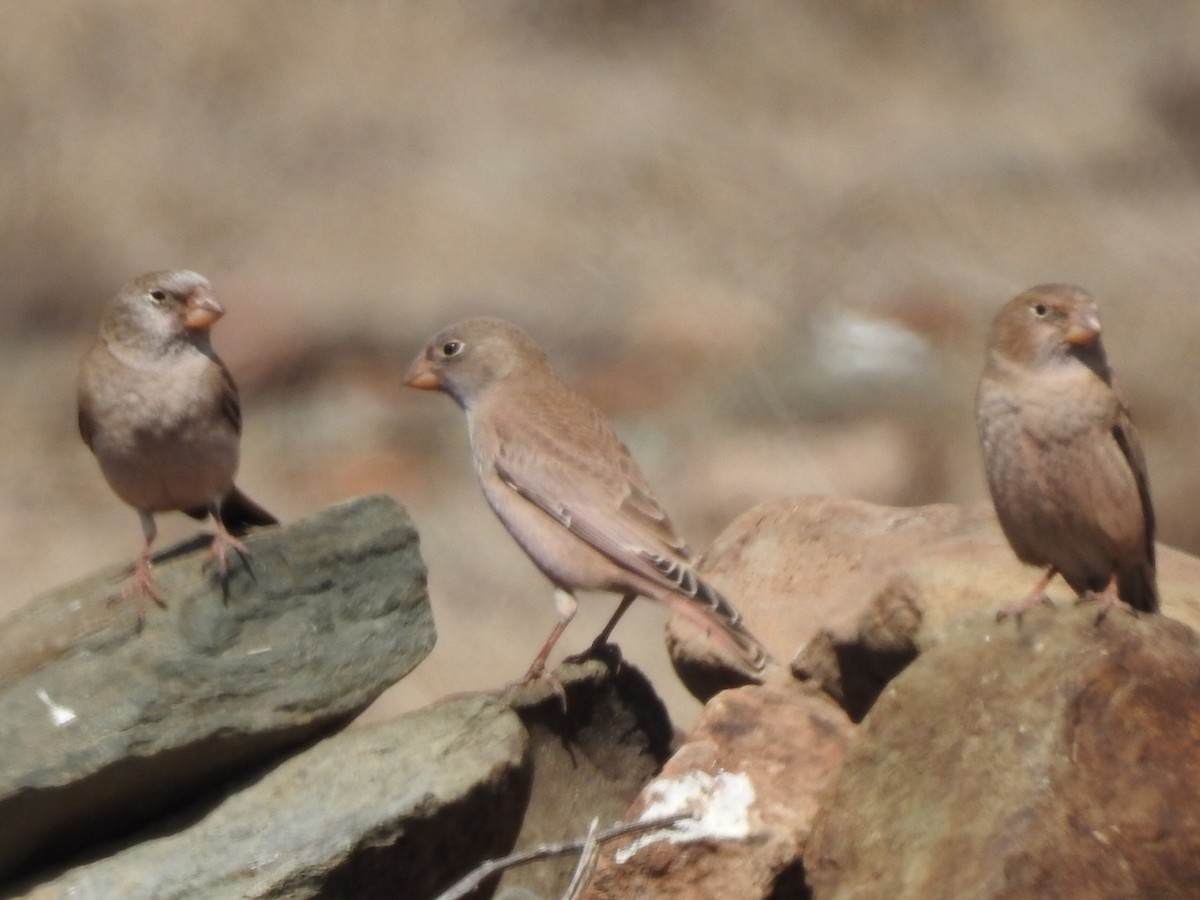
[
  {"x": 1063, "y": 461},
  {"x": 160, "y": 411}
]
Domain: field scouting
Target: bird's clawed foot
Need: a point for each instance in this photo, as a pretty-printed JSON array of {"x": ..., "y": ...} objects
[
  {"x": 1030, "y": 600},
  {"x": 222, "y": 543},
  {"x": 1018, "y": 609},
  {"x": 605, "y": 651},
  {"x": 1107, "y": 600},
  {"x": 140, "y": 586},
  {"x": 537, "y": 672}
]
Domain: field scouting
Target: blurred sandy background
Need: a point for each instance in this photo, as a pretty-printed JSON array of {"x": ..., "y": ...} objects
[{"x": 766, "y": 237}]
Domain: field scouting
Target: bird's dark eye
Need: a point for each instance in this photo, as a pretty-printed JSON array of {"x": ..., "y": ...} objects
[
  {"x": 452, "y": 348},
  {"x": 158, "y": 296},
  {"x": 1039, "y": 310}
]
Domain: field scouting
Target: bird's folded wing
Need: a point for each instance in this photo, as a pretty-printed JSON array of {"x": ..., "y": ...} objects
[
  {"x": 1126, "y": 437},
  {"x": 602, "y": 499},
  {"x": 594, "y": 489},
  {"x": 231, "y": 407}
]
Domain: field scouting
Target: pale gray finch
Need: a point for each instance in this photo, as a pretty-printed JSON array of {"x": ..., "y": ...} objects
[
  {"x": 160, "y": 411},
  {"x": 565, "y": 486},
  {"x": 1064, "y": 464}
]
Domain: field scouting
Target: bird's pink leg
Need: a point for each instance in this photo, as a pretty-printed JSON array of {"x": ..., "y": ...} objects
[
  {"x": 600, "y": 647},
  {"x": 142, "y": 584},
  {"x": 223, "y": 542},
  {"x": 566, "y": 604},
  {"x": 1108, "y": 599},
  {"x": 1032, "y": 599}
]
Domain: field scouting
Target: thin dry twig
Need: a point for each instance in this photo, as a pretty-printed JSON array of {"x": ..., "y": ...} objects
[
  {"x": 490, "y": 867},
  {"x": 586, "y": 865}
]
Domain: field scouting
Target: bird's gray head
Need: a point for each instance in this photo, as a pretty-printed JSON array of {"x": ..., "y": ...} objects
[
  {"x": 467, "y": 359},
  {"x": 157, "y": 311}
]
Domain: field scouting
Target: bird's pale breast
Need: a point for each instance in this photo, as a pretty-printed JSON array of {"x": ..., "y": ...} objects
[
  {"x": 160, "y": 436},
  {"x": 1063, "y": 490}
]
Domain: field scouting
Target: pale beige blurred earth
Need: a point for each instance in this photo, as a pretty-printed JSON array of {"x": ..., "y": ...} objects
[{"x": 766, "y": 237}]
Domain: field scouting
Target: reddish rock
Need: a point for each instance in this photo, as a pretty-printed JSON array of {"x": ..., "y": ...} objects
[
  {"x": 852, "y": 592},
  {"x": 750, "y": 774},
  {"x": 1060, "y": 758}
]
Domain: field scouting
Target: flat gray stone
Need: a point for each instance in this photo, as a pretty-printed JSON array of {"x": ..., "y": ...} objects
[
  {"x": 399, "y": 809},
  {"x": 104, "y": 726}
]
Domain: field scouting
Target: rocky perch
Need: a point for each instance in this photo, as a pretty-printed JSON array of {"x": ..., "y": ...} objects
[{"x": 914, "y": 747}]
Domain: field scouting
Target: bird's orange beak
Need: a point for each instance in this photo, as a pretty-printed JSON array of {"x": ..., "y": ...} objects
[
  {"x": 1084, "y": 331},
  {"x": 421, "y": 376},
  {"x": 202, "y": 310}
]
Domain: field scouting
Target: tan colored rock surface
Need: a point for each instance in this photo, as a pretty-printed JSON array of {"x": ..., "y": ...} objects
[
  {"x": 751, "y": 772},
  {"x": 1060, "y": 758},
  {"x": 851, "y": 592}
]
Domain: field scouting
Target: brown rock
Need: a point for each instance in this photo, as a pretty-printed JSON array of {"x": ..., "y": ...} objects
[
  {"x": 1060, "y": 758},
  {"x": 751, "y": 773},
  {"x": 705, "y": 666},
  {"x": 853, "y": 592}
]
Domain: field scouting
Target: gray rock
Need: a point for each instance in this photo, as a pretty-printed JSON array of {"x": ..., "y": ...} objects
[
  {"x": 393, "y": 810},
  {"x": 1058, "y": 758},
  {"x": 104, "y": 726}
]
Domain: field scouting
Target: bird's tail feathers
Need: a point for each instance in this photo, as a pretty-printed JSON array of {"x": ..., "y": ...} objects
[
  {"x": 1139, "y": 588},
  {"x": 240, "y": 513},
  {"x": 747, "y": 645}
]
